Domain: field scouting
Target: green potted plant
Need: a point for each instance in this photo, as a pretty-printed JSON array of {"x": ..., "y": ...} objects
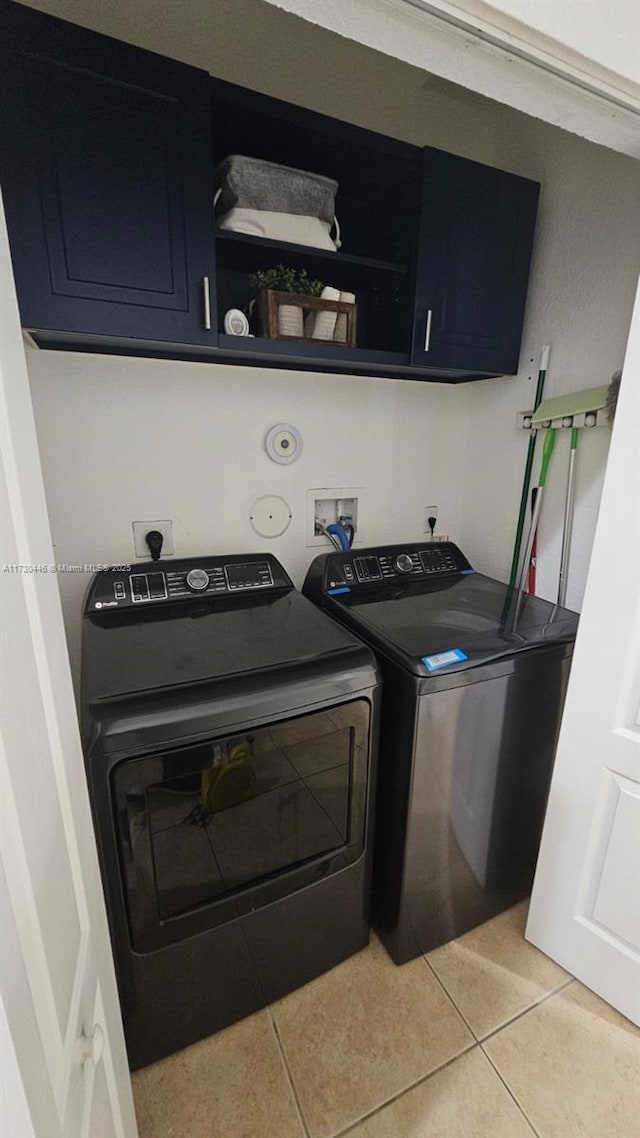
[{"x": 285, "y": 280}]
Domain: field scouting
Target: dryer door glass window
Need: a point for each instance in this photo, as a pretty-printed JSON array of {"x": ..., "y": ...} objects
[{"x": 211, "y": 830}]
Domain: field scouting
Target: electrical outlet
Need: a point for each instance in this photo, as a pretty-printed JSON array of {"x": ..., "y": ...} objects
[
  {"x": 428, "y": 512},
  {"x": 140, "y": 531}
]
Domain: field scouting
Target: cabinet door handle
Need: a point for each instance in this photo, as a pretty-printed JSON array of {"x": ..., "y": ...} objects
[
  {"x": 207, "y": 303},
  {"x": 427, "y": 330}
]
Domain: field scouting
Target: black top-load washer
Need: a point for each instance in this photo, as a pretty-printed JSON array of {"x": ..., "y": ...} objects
[
  {"x": 474, "y": 680},
  {"x": 229, "y": 733}
]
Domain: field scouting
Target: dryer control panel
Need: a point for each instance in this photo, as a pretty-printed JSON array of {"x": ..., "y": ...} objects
[
  {"x": 335, "y": 573},
  {"x": 164, "y": 582}
]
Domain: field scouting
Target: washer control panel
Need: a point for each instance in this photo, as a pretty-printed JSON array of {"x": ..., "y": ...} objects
[
  {"x": 163, "y": 582},
  {"x": 346, "y": 571}
]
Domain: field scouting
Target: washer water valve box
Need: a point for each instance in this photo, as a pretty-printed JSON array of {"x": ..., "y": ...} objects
[{"x": 328, "y": 505}]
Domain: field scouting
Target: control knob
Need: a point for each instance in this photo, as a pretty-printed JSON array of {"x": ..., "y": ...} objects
[
  {"x": 197, "y": 580},
  {"x": 403, "y": 563}
]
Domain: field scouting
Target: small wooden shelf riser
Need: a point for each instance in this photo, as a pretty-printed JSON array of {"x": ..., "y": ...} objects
[{"x": 270, "y": 301}]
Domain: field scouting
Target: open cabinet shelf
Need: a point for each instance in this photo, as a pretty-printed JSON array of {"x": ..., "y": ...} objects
[
  {"x": 376, "y": 205},
  {"x": 286, "y": 249},
  {"x": 382, "y": 298}
]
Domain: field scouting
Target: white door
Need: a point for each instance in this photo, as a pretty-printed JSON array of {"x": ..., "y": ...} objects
[
  {"x": 585, "y": 909},
  {"x": 65, "y": 1072}
]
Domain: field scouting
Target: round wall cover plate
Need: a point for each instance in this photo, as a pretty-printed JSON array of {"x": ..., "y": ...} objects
[
  {"x": 283, "y": 443},
  {"x": 270, "y": 515}
]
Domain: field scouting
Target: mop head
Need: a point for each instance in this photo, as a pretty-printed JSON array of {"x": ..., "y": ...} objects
[{"x": 612, "y": 396}]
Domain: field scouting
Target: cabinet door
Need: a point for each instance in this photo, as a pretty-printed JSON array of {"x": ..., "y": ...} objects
[
  {"x": 107, "y": 183},
  {"x": 474, "y": 249}
]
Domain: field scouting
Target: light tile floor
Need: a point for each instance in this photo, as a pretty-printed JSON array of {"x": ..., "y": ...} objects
[{"x": 483, "y": 1038}]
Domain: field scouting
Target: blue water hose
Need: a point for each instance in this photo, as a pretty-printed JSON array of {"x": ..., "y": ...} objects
[{"x": 339, "y": 532}]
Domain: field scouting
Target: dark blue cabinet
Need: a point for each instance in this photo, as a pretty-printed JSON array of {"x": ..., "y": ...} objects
[
  {"x": 474, "y": 248},
  {"x": 107, "y": 168},
  {"x": 107, "y": 163}
]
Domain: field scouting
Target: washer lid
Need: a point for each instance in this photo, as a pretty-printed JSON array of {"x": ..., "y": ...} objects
[
  {"x": 452, "y": 624},
  {"x": 195, "y": 641}
]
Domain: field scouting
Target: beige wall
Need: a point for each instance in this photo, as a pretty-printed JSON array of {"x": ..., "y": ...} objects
[{"x": 123, "y": 440}]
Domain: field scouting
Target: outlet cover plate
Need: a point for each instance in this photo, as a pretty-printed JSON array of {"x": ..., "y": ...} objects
[
  {"x": 140, "y": 531},
  {"x": 270, "y": 515}
]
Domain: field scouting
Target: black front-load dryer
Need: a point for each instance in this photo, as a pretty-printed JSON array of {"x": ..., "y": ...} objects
[
  {"x": 229, "y": 735},
  {"x": 474, "y": 679}
]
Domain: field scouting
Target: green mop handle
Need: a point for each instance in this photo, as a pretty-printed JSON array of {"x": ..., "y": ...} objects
[
  {"x": 547, "y": 451},
  {"x": 524, "y": 500}
]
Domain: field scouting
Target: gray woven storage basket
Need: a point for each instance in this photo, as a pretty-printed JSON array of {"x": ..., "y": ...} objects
[{"x": 251, "y": 183}]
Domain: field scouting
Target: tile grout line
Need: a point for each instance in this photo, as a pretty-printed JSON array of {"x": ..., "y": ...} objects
[
  {"x": 514, "y": 1019},
  {"x": 510, "y": 1092},
  {"x": 289, "y": 1076},
  {"x": 483, "y": 1038},
  {"x": 491, "y": 1035},
  {"x": 450, "y": 998},
  {"x": 405, "y": 1090}
]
